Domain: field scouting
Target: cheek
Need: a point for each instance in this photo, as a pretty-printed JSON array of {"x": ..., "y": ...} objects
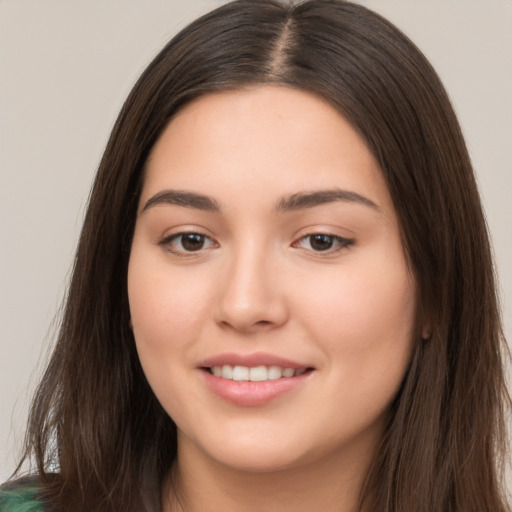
[
  {"x": 163, "y": 304},
  {"x": 167, "y": 310},
  {"x": 364, "y": 325},
  {"x": 370, "y": 295}
]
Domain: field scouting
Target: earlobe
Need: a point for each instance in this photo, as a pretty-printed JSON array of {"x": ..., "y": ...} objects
[{"x": 426, "y": 333}]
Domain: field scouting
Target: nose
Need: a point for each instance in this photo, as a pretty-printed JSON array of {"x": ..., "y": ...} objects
[{"x": 251, "y": 296}]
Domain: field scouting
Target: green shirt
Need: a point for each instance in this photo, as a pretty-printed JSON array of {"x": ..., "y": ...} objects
[{"x": 20, "y": 496}]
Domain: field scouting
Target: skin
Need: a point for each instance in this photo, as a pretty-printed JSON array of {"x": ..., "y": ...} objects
[{"x": 258, "y": 283}]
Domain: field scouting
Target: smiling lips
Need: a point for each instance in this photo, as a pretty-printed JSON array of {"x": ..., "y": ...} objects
[{"x": 252, "y": 380}]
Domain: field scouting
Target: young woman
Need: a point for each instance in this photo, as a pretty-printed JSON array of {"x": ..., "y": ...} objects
[{"x": 283, "y": 295}]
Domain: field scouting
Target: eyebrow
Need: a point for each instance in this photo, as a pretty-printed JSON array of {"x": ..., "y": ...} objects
[
  {"x": 183, "y": 198},
  {"x": 303, "y": 200},
  {"x": 298, "y": 201}
]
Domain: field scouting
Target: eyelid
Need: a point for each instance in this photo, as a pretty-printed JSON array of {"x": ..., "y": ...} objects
[
  {"x": 166, "y": 242},
  {"x": 341, "y": 243}
]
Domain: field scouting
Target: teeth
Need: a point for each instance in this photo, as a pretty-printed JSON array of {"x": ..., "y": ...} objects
[
  {"x": 258, "y": 373},
  {"x": 288, "y": 372},
  {"x": 226, "y": 371},
  {"x": 240, "y": 373},
  {"x": 255, "y": 373},
  {"x": 274, "y": 372}
]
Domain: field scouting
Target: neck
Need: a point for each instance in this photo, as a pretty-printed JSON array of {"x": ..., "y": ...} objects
[{"x": 331, "y": 485}]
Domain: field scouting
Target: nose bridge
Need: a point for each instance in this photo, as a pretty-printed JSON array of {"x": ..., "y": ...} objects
[{"x": 251, "y": 297}]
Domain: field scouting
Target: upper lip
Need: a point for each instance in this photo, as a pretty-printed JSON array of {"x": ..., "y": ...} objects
[{"x": 251, "y": 360}]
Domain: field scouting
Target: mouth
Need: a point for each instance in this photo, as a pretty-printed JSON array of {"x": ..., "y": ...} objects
[
  {"x": 253, "y": 379},
  {"x": 259, "y": 373}
]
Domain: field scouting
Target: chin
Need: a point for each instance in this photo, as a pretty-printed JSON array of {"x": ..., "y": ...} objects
[
  {"x": 259, "y": 460},
  {"x": 251, "y": 452}
]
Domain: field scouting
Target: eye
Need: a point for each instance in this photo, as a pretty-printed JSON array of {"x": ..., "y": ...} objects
[
  {"x": 183, "y": 243},
  {"x": 322, "y": 242}
]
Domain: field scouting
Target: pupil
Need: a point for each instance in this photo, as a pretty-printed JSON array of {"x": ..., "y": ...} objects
[
  {"x": 321, "y": 242},
  {"x": 192, "y": 242}
]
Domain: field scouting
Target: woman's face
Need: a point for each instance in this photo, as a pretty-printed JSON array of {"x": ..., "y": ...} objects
[{"x": 271, "y": 302}]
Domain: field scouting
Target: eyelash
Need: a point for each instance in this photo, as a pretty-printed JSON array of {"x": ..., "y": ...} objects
[
  {"x": 168, "y": 242},
  {"x": 338, "y": 242}
]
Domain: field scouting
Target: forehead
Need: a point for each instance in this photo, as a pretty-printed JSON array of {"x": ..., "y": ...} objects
[{"x": 276, "y": 138}]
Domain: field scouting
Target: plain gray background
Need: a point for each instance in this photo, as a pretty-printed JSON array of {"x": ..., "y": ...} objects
[{"x": 65, "y": 69}]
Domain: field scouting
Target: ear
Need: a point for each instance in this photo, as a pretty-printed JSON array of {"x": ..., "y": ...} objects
[{"x": 426, "y": 332}]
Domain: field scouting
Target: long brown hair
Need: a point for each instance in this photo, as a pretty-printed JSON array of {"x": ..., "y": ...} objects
[{"x": 94, "y": 416}]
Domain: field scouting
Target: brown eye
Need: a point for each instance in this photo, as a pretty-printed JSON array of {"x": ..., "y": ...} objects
[
  {"x": 192, "y": 241},
  {"x": 321, "y": 242},
  {"x": 185, "y": 243}
]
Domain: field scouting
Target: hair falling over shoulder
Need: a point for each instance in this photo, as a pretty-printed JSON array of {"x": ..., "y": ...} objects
[{"x": 99, "y": 438}]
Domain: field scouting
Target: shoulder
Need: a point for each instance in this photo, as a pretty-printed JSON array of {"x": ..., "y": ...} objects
[{"x": 21, "y": 496}]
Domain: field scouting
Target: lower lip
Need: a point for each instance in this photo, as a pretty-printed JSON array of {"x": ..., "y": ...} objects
[{"x": 249, "y": 393}]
